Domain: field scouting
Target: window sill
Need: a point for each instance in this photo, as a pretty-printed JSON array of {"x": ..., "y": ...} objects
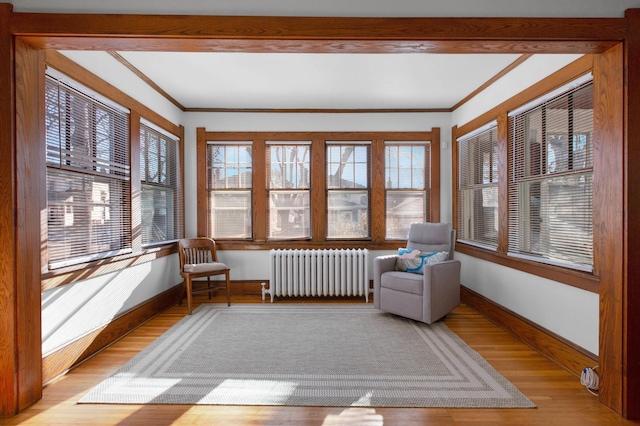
[
  {"x": 582, "y": 280},
  {"x": 82, "y": 271}
]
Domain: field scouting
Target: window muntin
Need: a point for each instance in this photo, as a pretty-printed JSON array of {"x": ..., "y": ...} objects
[
  {"x": 406, "y": 186},
  {"x": 478, "y": 186},
  {"x": 88, "y": 173},
  {"x": 348, "y": 189},
  {"x": 289, "y": 190},
  {"x": 229, "y": 183},
  {"x": 161, "y": 218},
  {"x": 550, "y": 188}
]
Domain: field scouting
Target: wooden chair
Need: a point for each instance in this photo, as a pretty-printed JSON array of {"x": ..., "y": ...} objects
[{"x": 197, "y": 260}]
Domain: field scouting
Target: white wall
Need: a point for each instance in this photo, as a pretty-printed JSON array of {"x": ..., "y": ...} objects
[
  {"x": 259, "y": 259},
  {"x": 72, "y": 311},
  {"x": 567, "y": 311}
]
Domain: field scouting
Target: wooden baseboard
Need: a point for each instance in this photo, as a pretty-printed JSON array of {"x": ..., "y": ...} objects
[
  {"x": 62, "y": 360},
  {"x": 558, "y": 349}
]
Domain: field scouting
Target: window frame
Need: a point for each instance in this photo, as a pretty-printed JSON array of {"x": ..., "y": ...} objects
[
  {"x": 377, "y": 240},
  {"x": 174, "y": 161},
  {"x": 137, "y": 254},
  {"x": 425, "y": 177},
  {"x": 576, "y": 278}
]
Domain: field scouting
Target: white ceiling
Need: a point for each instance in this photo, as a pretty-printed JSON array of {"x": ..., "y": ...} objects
[{"x": 315, "y": 80}]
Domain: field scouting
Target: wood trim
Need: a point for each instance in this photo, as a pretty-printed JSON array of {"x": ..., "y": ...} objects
[
  {"x": 259, "y": 193},
  {"x": 492, "y": 80},
  {"x": 318, "y": 34},
  {"x": 81, "y": 75},
  {"x": 135, "y": 184},
  {"x": 589, "y": 282},
  {"x": 455, "y": 176},
  {"x": 566, "y": 276},
  {"x": 319, "y": 198},
  {"x": 201, "y": 178},
  {"x": 9, "y": 319},
  {"x": 85, "y": 271},
  {"x": 608, "y": 221},
  {"x": 145, "y": 78},
  {"x": 318, "y": 191},
  {"x": 322, "y": 110},
  {"x": 568, "y": 355},
  {"x": 579, "y": 67},
  {"x": 378, "y": 203},
  {"x": 434, "y": 190},
  {"x": 29, "y": 207},
  {"x": 630, "y": 351},
  {"x": 71, "y": 355},
  {"x": 504, "y": 164}
]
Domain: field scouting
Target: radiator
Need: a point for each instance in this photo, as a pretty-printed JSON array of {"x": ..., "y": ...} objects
[{"x": 329, "y": 272}]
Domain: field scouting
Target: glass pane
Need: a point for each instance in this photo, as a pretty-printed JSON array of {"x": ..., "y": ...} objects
[
  {"x": 403, "y": 209},
  {"x": 479, "y": 215},
  {"x": 289, "y": 215},
  {"x": 230, "y": 214},
  {"x": 229, "y": 166},
  {"x": 556, "y": 218},
  {"x": 347, "y": 166},
  {"x": 405, "y": 166},
  {"x": 158, "y": 217},
  {"x": 289, "y": 166},
  {"x": 85, "y": 215},
  {"x": 348, "y": 214}
]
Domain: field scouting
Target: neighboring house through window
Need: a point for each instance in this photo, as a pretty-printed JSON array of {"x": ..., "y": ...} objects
[
  {"x": 348, "y": 190},
  {"x": 406, "y": 186},
  {"x": 229, "y": 185}
]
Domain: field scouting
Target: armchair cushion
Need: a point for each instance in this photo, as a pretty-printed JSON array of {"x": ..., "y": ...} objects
[{"x": 413, "y": 260}]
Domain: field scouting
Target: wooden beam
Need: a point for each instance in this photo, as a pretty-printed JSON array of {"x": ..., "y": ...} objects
[
  {"x": 30, "y": 211},
  {"x": 318, "y": 34},
  {"x": 8, "y": 320}
]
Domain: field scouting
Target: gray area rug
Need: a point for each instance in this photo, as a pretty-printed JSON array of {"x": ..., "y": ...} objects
[{"x": 336, "y": 355}]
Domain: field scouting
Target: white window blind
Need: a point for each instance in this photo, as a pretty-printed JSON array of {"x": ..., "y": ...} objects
[
  {"x": 289, "y": 190},
  {"x": 88, "y": 189},
  {"x": 478, "y": 186},
  {"x": 348, "y": 190},
  {"x": 406, "y": 186},
  {"x": 550, "y": 188},
  {"x": 162, "y": 217},
  {"x": 229, "y": 188}
]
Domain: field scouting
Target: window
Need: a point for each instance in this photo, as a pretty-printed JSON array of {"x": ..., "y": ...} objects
[
  {"x": 263, "y": 190},
  {"x": 406, "y": 186},
  {"x": 161, "y": 195},
  {"x": 289, "y": 190},
  {"x": 87, "y": 175},
  {"x": 550, "y": 188},
  {"x": 348, "y": 190},
  {"x": 229, "y": 183},
  {"x": 478, "y": 186}
]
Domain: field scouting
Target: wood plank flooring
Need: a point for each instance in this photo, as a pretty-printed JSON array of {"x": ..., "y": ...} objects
[{"x": 559, "y": 396}]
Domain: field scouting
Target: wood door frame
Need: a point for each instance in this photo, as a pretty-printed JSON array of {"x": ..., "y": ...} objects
[{"x": 29, "y": 34}]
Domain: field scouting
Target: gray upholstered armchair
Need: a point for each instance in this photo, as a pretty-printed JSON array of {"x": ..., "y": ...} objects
[{"x": 427, "y": 297}]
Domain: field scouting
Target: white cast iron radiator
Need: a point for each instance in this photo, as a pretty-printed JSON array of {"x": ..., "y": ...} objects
[{"x": 321, "y": 272}]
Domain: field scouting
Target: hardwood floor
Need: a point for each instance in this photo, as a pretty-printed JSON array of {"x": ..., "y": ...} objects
[{"x": 559, "y": 396}]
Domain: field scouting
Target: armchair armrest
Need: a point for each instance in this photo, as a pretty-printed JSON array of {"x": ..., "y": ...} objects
[
  {"x": 441, "y": 284},
  {"x": 381, "y": 264}
]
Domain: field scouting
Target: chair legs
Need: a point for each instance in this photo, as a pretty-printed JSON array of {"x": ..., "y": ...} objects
[{"x": 188, "y": 288}]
